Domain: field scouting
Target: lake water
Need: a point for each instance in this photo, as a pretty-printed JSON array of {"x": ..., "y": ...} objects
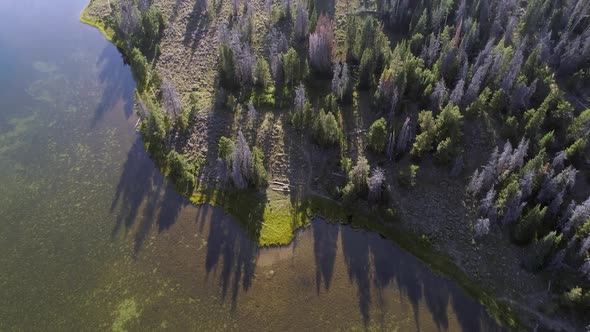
[{"x": 93, "y": 238}]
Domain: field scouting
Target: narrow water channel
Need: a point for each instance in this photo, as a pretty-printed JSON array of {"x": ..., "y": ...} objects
[{"x": 92, "y": 237}]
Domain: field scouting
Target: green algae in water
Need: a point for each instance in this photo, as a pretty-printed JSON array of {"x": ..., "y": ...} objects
[
  {"x": 44, "y": 67},
  {"x": 20, "y": 126},
  {"x": 48, "y": 90},
  {"x": 125, "y": 313}
]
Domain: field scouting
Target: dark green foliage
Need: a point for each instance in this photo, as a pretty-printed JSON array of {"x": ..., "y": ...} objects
[
  {"x": 508, "y": 191},
  {"x": 262, "y": 77},
  {"x": 510, "y": 129},
  {"x": 450, "y": 123},
  {"x": 152, "y": 28},
  {"x": 577, "y": 298},
  {"x": 326, "y": 130},
  {"x": 259, "y": 175},
  {"x": 547, "y": 140},
  {"x": 181, "y": 172},
  {"x": 441, "y": 135},
  {"x": 225, "y": 148},
  {"x": 407, "y": 176},
  {"x": 526, "y": 228},
  {"x": 357, "y": 180},
  {"x": 575, "y": 149},
  {"x": 227, "y": 67},
  {"x": 369, "y": 48},
  {"x": 580, "y": 126},
  {"x": 155, "y": 126},
  {"x": 425, "y": 140},
  {"x": 539, "y": 252},
  {"x": 293, "y": 67},
  {"x": 140, "y": 69},
  {"x": 534, "y": 119},
  {"x": 584, "y": 230},
  {"x": 445, "y": 151},
  {"x": 366, "y": 69},
  {"x": 377, "y": 136},
  {"x": 535, "y": 164},
  {"x": 480, "y": 104}
]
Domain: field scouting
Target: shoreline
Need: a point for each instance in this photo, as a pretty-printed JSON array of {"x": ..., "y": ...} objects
[{"x": 332, "y": 211}]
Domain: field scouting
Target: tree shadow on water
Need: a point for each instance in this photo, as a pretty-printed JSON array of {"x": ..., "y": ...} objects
[
  {"x": 138, "y": 202},
  {"x": 325, "y": 239},
  {"x": 356, "y": 255},
  {"x": 232, "y": 243},
  {"x": 374, "y": 264},
  {"x": 137, "y": 182},
  {"x": 117, "y": 84}
]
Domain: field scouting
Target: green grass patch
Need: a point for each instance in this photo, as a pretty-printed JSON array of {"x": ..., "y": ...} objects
[{"x": 97, "y": 23}]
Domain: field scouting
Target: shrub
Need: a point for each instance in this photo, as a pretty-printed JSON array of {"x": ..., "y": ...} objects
[
  {"x": 225, "y": 148},
  {"x": 547, "y": 140},
  {"x": 527, "y": 226},
  {"x": 541, "y": 250},
  {"x": 155, "y": 125},
  {"x": 152, "y": 27},
  {"x": 262, "y": 77},
  {"x": 575, "y": 149},
  {"x": 227, "y": 67},
  {"x": 140, "y": 69},
  {"x": 479, "y": 105},
  {"x": 407, "y": 176},
  {"x": 510, "y": 129},
  {"x": 377, "y": 136},
  {"x": 573, "y": 297},
  {"x": 449, "y": 123},
  {"x": 292, "y": 67},
  {"x": 259, "y": 175},
  {"x": 580, "y": 126},
  {"x": 366, "y": 69},
  {"x": 534, "y": 120},
  {"x": 445, "y": 151},
  {"x": 302, "y": 112},
  {"x": 359, "y": 175},
  {"x": 181, "y": 172},
  {"x": 325, "y": 129},
  {"x": 425, "y": 139}
]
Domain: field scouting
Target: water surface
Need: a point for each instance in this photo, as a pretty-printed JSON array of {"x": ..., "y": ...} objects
[{"x": 93, "y": 238}]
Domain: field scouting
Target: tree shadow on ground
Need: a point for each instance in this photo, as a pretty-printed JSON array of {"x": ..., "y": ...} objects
[
  {"x": 375, "y": 263},
  {"x": 118, "y": 85},
  {"x": 325, "y": 6},
  {"x": 198, "y": 23}
]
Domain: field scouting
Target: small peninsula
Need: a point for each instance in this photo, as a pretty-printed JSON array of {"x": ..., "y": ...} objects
[{"x": 458, "y": 129}]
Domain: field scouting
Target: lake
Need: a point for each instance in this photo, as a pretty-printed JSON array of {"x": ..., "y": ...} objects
[{"x": 93, "y": 238}]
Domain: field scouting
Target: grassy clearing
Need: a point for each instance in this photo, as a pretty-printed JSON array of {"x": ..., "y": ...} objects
[{"x": 87, "y": 18}]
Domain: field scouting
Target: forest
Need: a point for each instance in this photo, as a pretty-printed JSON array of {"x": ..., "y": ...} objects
[{"x": 360, "y": 102}]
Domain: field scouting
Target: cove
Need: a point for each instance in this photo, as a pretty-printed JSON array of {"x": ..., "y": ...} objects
[{"x": 94, "y": 238}]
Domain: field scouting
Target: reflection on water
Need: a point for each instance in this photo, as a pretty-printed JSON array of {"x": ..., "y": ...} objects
[{"x": 93, "y": 238}]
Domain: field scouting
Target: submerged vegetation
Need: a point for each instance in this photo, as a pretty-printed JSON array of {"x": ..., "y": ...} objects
[{"x": 353, "y": 106}]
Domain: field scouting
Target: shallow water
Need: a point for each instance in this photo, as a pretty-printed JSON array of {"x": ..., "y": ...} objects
[{"x": 93, "y": 238}]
